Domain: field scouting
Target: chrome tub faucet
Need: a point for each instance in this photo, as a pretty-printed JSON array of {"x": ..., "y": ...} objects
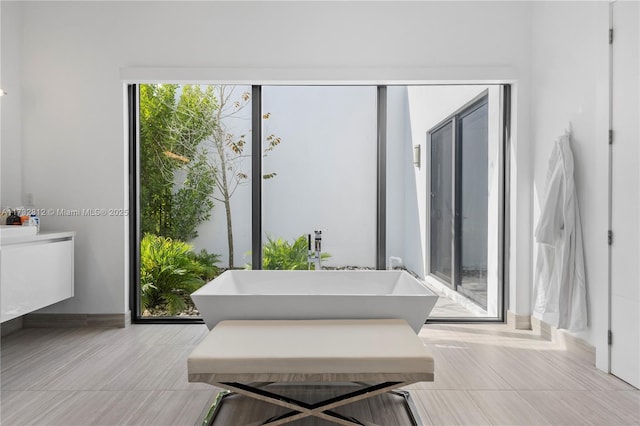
[{"x": 314, "y": 256}]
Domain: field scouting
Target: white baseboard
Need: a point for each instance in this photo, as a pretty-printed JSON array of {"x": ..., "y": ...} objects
[
  {"x": 519, "y": 322},
  {"x": 565, "y": 340},
  {"x": 11, "y": 326},
  {"x": 120, "y": 320}
]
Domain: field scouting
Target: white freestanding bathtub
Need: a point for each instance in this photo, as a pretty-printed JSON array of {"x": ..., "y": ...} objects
[{"x": 262, "y": 295}]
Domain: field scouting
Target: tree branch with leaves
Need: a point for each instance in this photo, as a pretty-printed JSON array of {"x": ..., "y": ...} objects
[
  {"x": 229, "y": 157},
  {"x": 191, "y": 156}
]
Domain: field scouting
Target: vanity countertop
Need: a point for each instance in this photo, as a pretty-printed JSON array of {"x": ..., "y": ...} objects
[{"x": 21, "y": 238}]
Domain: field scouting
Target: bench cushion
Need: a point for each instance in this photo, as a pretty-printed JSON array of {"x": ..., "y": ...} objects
[{"x": 312, "y": 348}]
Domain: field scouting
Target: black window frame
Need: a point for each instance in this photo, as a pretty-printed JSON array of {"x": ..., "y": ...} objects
[{"x": 256, "y": 198}]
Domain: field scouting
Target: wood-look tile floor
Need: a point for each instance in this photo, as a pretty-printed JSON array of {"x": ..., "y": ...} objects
[{"x": 485, "y": 374}]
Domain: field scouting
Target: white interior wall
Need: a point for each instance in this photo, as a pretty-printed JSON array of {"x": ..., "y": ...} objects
[
  {"x": 1, "y": 106},
  {"x": 66, "y": 109},
  {"x": 11, "y": 130},
  {"x": 71, "y": 116},
  {"x": 570, "y": 82}
]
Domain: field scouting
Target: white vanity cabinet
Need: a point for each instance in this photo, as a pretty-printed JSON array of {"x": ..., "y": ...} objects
[{"x": 35, "y": 271}]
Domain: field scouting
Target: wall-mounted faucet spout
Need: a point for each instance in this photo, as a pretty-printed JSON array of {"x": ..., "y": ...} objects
[{"x": 315, "y": 256}]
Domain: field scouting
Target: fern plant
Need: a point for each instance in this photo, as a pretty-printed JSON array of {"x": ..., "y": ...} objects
[
  {"x": 208, "y": 263},
  {"x": 169, "y": 272},
  {"x": 282, "y": 255}
]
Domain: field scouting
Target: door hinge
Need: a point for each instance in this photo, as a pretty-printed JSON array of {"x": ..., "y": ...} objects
[
  {"x": 609, "y": 337},
  {"x": 610, "y": 137},
  {"x": 610, "y": 237},
  {"x": 610, "y": 35}
]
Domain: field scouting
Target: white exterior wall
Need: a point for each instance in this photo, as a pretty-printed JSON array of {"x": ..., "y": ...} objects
[
  {"x": 71, "y": 116},
  {"x": 326, "y": 165}
]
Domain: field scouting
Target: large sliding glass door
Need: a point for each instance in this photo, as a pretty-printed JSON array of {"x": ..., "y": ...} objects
[{"x": 459, "y": 201}]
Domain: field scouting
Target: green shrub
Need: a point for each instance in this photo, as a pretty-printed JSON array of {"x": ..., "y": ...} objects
[
  {"x": 208, "y": 263},
  {"x": 280, "y": 254},
  {"x": 176, "y": 180},
  {"x": 169, "y": 272}
]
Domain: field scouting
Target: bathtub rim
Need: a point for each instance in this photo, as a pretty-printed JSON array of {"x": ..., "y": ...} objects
[{"x": 226, "y": 279}]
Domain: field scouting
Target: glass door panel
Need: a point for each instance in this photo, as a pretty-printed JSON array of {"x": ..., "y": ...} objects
[
  {"x": 473, "y": 204},
  {"x": 441, "y": 208}
]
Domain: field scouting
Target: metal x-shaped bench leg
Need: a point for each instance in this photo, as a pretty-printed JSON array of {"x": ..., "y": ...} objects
[{"x": 322, "y": 409}]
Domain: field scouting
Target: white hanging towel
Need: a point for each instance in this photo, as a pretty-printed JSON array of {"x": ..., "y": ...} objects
[{"x": 560, "y": 278}]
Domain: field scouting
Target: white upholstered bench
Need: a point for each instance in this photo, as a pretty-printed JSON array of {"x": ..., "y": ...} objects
[{"x": 243, "y": 356}]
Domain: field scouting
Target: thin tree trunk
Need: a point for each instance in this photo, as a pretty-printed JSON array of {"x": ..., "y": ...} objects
[
  {"x": 224, "y": 189},
  {"x": 227, "y": 208},
  {"x": 227, "y": 205}
]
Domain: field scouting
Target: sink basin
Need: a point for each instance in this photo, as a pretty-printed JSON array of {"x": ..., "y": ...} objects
[{"x": 12, "y": 231}]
